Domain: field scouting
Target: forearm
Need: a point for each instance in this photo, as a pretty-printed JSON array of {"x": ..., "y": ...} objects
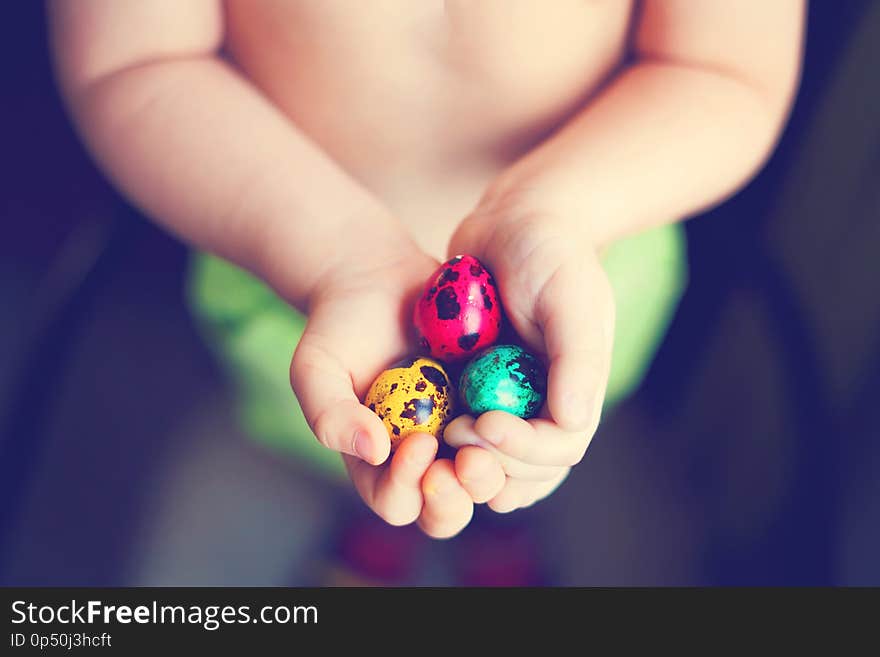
[
  {"x": 660, "y": 143},
  {"x": 203, "y": 153}
]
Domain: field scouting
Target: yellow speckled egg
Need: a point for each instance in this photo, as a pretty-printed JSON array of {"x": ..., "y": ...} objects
[{"x": 414, "y": 395}]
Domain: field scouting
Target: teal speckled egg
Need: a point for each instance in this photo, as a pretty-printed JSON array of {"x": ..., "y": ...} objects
[{"x": 504, "y": 378}]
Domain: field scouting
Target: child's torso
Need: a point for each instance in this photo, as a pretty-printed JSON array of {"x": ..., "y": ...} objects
[{"x": 424, "y": 101}]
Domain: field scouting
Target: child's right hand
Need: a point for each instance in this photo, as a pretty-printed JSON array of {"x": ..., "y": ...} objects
[{"x": 358, "y": 324}]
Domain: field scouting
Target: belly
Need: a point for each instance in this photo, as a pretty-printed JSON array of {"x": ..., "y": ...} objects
[{"x": 424, "y": 101}]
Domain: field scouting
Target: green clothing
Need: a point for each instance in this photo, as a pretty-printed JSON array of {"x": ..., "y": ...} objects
[{"x": 254, "y": 333}]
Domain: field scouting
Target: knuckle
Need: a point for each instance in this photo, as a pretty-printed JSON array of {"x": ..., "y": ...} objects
[
  {"x": 517, "y": 470},
  {"x": 292, "y": 373},
  {"x": 508, "y": 462},
  {"x": 497, "y": 486},
  {"x": 516, "y": 449},
  {"x": 320, "y": 429},
  {"x": 311, "y": 362},
  {"x": 397, "y": 474},
  {"x": 301, "y": 367},
  {"x": 483, "y": 488}
]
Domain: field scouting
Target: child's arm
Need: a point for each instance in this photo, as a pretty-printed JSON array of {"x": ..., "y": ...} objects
[
  {"x": 201, "y": 151},
  {"x": 686, "y": 123},
  {"x": 204, "y": 153}
]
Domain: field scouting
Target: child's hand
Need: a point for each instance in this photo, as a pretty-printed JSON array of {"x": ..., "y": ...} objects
[
  {"x": 559, "y": 300},
  {"x": 358, "y": 325}
]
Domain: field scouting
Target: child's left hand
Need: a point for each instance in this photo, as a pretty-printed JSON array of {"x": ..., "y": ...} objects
[{"x": 559, "y": 300}]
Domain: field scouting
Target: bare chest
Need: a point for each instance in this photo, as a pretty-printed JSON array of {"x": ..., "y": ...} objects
[
  {"x": 509, "y": 66},
  {"x": 417, "y": 95}
]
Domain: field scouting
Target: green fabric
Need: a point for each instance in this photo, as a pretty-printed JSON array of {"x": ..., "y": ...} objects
[
  {"x": 254, "y": 333},
  {"x": 648, "y": 273}
]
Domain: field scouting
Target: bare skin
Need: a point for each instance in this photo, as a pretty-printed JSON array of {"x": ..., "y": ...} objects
[{"x": 339, "y": 150}]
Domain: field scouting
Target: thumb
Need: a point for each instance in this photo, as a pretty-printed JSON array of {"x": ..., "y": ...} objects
[{"x": 340, "y": 422}]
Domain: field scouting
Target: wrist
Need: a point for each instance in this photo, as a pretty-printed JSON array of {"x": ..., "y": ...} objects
[
  {"x": 364, "y": 245},
  {"x": 528, "y": 210},
  {"x": 393, "y": 265},
  {"x": 536, "y": 186}
]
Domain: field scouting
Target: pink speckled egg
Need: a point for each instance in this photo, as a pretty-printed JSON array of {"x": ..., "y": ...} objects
[{"x": 459, "y": 312}]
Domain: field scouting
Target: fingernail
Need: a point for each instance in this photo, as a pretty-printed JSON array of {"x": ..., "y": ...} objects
[{"x": 362, "y": 446}]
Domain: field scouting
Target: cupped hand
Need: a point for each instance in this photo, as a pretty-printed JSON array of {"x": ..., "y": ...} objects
[
  {"x": 558, "y": 299},
  {"x": 358, "y": 325}
]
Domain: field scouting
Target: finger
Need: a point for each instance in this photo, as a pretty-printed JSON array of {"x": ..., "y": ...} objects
[
  {"x": 470, "y": 237},
  {"x": 575, "y": 310},
  {"x": 518, "y": 494},
  {"x": 508, "y": 248},
  {"x": 479, "y": 473},
  {"x": 337, "y": 418},
  {"x": 461, "y": 432},
  {"x": 394, "y": 491},
  {"x": 538, "y": 441},
  {"x": 448, "y": 508}
]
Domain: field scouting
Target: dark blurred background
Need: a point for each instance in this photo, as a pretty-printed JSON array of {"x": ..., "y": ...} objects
[{"x": 751, "y": 455}]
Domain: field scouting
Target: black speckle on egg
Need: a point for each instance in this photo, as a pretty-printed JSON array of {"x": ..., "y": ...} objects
[
  {"x": 433, "y": 375},
  {"x": 395, "y": 429},
  {"x": 468, "y": 341},
  {"x": 448, "y": 276},
  {"x": 420, "y": 386},
  {"x": 532, "y": 372},
  {"x": 454, "y": 261},
  {"x": 447, "y": 304},
  {"x": 393, "y": 387},
  {"x": 476, "y": 269}
]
